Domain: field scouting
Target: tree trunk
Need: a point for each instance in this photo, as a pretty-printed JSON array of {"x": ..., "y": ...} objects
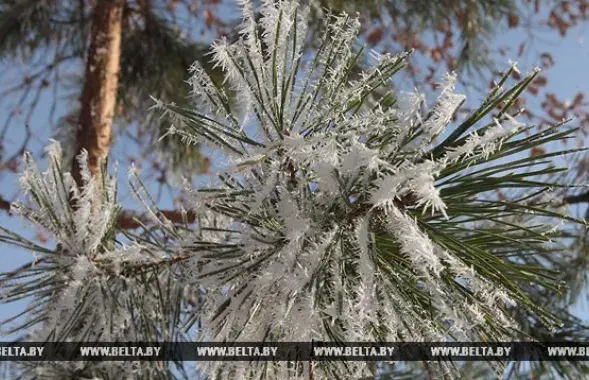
[{"x": 99, "y": 95}]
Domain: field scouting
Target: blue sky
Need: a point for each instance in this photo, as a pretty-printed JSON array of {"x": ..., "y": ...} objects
[{"x": 566, "y": 78}]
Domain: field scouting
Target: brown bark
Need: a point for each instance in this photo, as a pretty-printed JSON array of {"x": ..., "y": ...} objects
[
  {"x": 130, "y": 220},
  {"x": 99, "y": 94}
]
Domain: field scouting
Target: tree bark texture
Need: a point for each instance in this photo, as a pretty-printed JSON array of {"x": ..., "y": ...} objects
[{"x": 99, "y": 95}]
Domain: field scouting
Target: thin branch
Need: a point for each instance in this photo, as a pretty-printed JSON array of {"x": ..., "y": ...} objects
[
  {"x": 129, "y": 220},
  {"x": 4, "y": 205},
  {"x": 574, "y": 199}
]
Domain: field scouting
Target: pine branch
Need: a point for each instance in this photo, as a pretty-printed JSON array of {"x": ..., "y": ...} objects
[
  {"x": 130, "y": 220},
  {"x": 329, "y": 222}
]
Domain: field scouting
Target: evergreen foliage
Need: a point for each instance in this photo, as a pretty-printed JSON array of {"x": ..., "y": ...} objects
[{"x": 345, "y": 212}]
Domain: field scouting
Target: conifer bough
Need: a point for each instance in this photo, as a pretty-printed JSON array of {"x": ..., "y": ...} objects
[{"x": 345, "y": 212}]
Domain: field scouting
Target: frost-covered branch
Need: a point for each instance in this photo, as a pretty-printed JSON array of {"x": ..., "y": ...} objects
[
  {"x": 346, "y": 211},
  {"x": 132, "y": 219},
  {"x": 341, "y": 216}
]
